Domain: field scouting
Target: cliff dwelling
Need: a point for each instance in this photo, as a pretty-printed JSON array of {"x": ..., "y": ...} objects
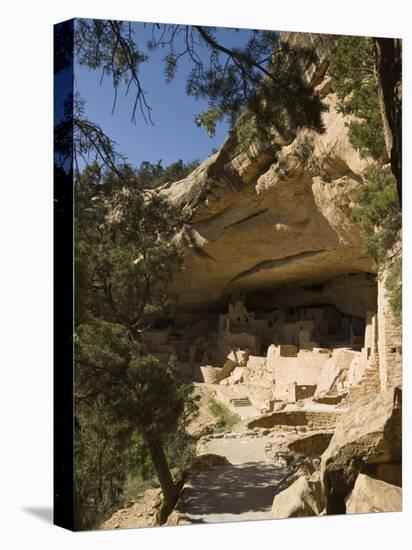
[
  {"x": 268, "y": 347},
  {"x": 238, "y": 321}
]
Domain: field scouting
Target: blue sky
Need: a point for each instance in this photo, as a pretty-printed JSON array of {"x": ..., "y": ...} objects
[{"x": 174, "y": 134}]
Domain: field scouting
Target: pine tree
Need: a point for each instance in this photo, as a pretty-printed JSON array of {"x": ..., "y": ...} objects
[
  {"x": 124, "y": 260},
  {"x": 352, "y": 67}
]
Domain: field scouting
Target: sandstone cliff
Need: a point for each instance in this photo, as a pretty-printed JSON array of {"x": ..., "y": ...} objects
[{"x": 257, "y": 219}]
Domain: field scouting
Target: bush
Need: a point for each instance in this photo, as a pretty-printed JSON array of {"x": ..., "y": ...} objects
[
  {"x": 378, "y": 213},
  {"x": 227, "y": 419},
  {"x": 393, "y": 285},
  {"x": 379, "y": 217}
]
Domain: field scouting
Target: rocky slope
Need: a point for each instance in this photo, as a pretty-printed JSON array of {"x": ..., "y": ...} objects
[
  {"x": 256, "y": 219},
  {"x": 360, "y": 470}
]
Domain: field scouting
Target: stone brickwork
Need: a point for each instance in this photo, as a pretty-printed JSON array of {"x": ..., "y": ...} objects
[
  {"x": 314, "y": 420},
  {"x": 322, "y": 420},
  {"x": 369, "y": 383},
  {"x": 369, "y": 364},
  {"x": 389, "y": 342},
  {"x": 355, "y": 356},
  {"x": 304, "y": 369}
]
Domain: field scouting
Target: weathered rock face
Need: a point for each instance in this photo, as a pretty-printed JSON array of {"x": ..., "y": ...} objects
[
  {"x": 257, "y": 219},
  {"x": 370, "y": 433},
  {"x": 303, "y": 498},
  {"x": 373, "y": 495}
]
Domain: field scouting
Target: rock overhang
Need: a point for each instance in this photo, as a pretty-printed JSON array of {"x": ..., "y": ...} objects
[{"x": 261, "y": 218}]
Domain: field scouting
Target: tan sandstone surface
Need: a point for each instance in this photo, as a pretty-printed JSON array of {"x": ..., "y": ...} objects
[{"x": 256, "y": 218}]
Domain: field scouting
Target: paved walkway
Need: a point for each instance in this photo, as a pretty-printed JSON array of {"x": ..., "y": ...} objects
[
  {"x": 245, "y": 489},
  {"x": 240, "y": 450},
  {"x": 240, "y": 492}
]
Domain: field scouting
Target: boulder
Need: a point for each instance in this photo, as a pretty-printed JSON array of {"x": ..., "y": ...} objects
[
  {"x": 389, "y": 472},
  {"x": 370, "y": 433},
  {"x": 334, "y": 369},
  {"x": 303, "y": 498},
  {"x": 373, "y": 495}
]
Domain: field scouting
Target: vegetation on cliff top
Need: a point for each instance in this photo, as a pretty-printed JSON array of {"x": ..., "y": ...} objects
[
  {"x": 380, "y": 220},
  {"x": 378, "y": 211},
  {"x": 352, "y": 67},
  {"x": 150, "y": 176}
]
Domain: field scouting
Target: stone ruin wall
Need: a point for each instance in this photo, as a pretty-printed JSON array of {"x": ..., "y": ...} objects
[
  {"x": 286, "y": 372},
  {"x": 314, "y": 420},
  {"x": 295, "y": 366},
  {"x": 389, "y": 342},
  {"x": 290, "y": 366}
]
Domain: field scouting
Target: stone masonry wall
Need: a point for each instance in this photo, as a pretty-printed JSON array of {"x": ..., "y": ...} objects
[
  {"x": 389, "y": 341},
  {"x": 369, "y": 383},
  {"x": 314, "y": 420}
]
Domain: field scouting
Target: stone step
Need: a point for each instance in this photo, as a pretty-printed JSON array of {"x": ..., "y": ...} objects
[{"x": 241, "y": 402}]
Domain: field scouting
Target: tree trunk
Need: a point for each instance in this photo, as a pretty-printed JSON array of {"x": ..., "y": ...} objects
[
  {"x": 162, "y": 469},
  {"x": 388, "y": 62}
]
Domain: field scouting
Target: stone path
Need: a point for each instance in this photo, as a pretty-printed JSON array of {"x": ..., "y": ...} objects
[
  {"x": 245, "y": 489},
  {"x": 239, "y": 450},
  {"x": 239, "y": 492}
]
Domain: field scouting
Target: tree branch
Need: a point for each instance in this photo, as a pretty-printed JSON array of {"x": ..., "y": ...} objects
[{"x": 238, "y": 56}]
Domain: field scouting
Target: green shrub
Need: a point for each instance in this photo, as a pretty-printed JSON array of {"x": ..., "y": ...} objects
[
  {"x": 227, "y": 418},
  {"x": 379, "y": 217},
  {"x": 393, "y": 285},
  {"x": 378, "y": 213},
  {"x": 353, "y": 72}
]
